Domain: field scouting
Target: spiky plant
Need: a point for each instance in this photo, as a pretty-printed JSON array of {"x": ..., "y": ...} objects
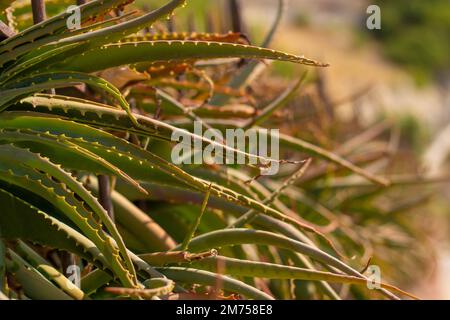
[{"x": 174, "y": 227}]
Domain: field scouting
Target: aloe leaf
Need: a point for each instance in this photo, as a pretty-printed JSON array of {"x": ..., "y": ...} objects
[
  {"x": 229, "y": 237},
  {"x": 124, "y": 155},
  {"x": 269, "y": 270},
  {"x": 132, "y": 243},
  {"x": 300, "y": 145},
  {"x": 272, "y": 224},
  {"x": 61, "y": 148},
  {"x": 119, "y": 31},
  {"x": 160, "y": 259},
  {"x": 39, "y": 48},
  {"x": 86, "y": 113},
  {"x": 34, "y": 36},
  {"x": 17, "y": 69},
  {"x": 22, "y": 87},
  {"x": 29, "y": 177},
  {"x": 24, "y": 221},
  {"x": 230, "y": 195},
  {"x": 195, "y": 276},
  {"x": 92, "y": 38},
  {"x": 312, "y": 150},
  {"x": 98, "y": 278},
  {"x": 45, "y": 268},
  {"x": 154, "y": 288},
  {"x": 113, "y": 55},
  {"x": 230, "y": 37},
  {"x": 33, "y": 283},
  {"x": 94, "y": 280},
  {"x": 139, "y": 224},
  {"x": 68, "y": 205},
  {"x": 106, "y": 117}
]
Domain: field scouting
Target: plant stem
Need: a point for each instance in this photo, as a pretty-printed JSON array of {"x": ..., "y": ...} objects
[
  {"x": 235, "y": 15},
  {"x": 171, "y": 25},
  {"x": 39, "y": 13},
  {"x": 104, "y": 193},
  {"x": 322, "y": 91}
]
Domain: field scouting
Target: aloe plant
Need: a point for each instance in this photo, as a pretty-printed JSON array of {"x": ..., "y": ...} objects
[{"x": 54, "y": 146}]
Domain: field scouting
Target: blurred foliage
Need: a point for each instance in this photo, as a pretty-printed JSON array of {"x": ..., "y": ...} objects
[
  {"x": 414, "y": 134},
  {"x": 302, "y": 19},
  {"x": 415, "y": 34}
]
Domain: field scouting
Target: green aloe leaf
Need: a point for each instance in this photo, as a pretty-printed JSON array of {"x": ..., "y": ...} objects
[
  {"x": 195, "y": 276},
  {"x": 268, "y": 270},
  {"x": 46, "y": 269},
  {"x": 25, "y": 174},
  {"x": 24, "y": 221},
  {"x": 158, "y": 51},
  {"x": 63, "y": 151},
  {"x": 34, "y": 284},
  {"x": 34, "y": 36}
]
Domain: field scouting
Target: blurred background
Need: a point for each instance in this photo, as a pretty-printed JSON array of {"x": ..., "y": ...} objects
[{"x": 401, "y": 72}]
